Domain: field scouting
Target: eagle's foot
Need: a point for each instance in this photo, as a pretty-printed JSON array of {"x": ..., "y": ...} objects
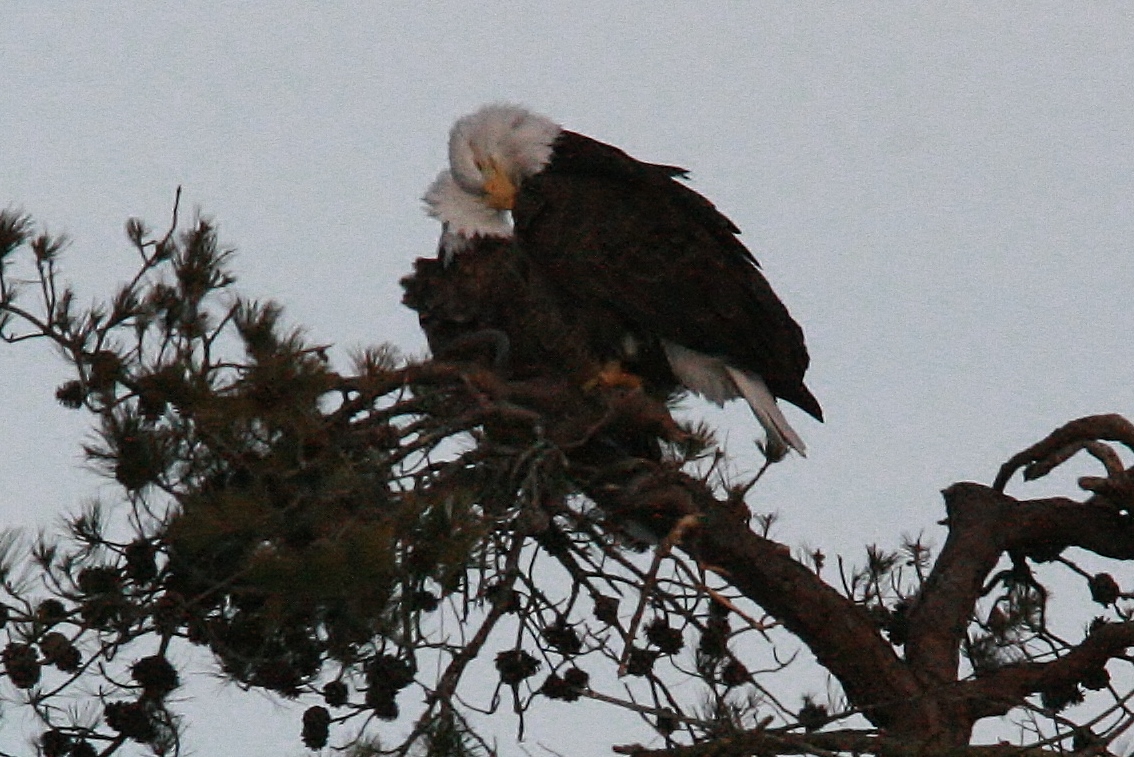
[{"x": 613, "y": 376}]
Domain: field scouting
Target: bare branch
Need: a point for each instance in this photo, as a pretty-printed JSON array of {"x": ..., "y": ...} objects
[{"x": 1060, "y": 444}]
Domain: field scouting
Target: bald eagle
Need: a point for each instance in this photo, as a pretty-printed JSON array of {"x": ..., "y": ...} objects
[{"x": 651, "y": 266}]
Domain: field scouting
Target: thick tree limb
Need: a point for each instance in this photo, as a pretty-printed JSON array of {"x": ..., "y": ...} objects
[
  {"x": 843, "y": 638},
  {"x": 841, "y": 635},
  {"x": 938, "y": 618}
]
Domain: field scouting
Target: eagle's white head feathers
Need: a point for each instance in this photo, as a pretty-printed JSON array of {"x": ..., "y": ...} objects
[
  {"x": 499, "y": 139},
  {"x": 463, "y": 216}
]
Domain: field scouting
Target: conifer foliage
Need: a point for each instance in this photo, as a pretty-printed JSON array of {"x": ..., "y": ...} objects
[{"x": 367, "y": 541}]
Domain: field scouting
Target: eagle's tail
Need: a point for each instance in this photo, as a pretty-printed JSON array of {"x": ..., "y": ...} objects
[{"x": 781, "y": 436}]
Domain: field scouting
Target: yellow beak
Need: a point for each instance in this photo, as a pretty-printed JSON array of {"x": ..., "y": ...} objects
[{"x": 499, "y": 188}]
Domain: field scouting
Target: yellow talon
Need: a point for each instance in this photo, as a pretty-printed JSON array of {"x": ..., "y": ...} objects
[{"x": 613, "y": 376}]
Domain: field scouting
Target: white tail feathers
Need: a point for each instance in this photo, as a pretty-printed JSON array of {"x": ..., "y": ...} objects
[
  {"x": 781, "y": 435},
  {"x": 717, "y": 382}
]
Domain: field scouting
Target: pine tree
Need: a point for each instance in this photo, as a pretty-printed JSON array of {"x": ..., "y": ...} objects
[{"x": 321, "y": 532}]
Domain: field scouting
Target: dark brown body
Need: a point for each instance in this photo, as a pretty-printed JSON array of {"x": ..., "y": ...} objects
[{"x": 624, "y": 237}]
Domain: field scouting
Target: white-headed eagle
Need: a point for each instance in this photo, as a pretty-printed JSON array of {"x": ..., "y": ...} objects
[{"x": 651, "y": 266}]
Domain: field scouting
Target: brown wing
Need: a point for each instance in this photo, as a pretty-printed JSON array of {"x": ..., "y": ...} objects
[{"x": 625, "y": 235}]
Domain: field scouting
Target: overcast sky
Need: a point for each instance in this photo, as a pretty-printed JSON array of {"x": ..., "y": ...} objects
[{"x": 942, "y": 194}]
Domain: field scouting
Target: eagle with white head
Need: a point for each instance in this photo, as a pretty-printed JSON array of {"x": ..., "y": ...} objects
[{"x": 650, "y": 262}]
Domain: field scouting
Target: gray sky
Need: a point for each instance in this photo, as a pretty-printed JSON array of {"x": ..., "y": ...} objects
[{"x": 941, "y": 194}]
